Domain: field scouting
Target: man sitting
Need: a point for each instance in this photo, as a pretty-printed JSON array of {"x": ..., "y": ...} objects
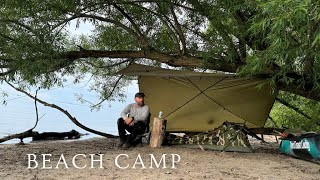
[{"x": 133, "y": 119}]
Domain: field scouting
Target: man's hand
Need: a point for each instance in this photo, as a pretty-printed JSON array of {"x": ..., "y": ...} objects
[
  {"x": 128, "y": 121},
  {"x": 132, "y": 123}
]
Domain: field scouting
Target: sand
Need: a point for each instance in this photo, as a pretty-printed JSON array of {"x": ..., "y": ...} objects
[{"x": 264, "y": 163}]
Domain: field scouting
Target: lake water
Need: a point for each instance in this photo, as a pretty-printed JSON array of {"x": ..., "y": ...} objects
[{"x": 19, "y": 113}]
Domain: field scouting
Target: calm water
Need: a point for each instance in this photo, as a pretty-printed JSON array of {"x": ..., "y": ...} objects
[{"x": 19, "y": 113}]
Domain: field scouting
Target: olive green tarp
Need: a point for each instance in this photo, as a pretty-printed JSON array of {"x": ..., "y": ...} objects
[{"x": 198, "y": 102}]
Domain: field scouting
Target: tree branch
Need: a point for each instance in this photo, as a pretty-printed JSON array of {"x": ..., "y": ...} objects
[
  {"x": 296, "y": 109},
  {"x": 112, "y": 91},
  {"x": 6, "y": 73},
  {"x": 135, "y": 26},
  {"x": 19, "y": 24},
  {"x": 108, "y": 66},
  {"x": 167, "y": 58},
  {"x": 295, "y": 87},
  {"x": 73, "y": 119},
  {"x": 7, "y": 37},
  {"x": 3, "y": 66},
  {"x": 166, "y": 21},
  {"x": 36, "y": 107},
  {"x": 28, "y": 133},
  {"x": 64, "y": 22},
  {"x": 117, "y": 23},
  {"x": 179, "y": 30}
]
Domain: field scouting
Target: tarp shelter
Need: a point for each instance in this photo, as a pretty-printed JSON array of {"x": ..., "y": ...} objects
[{"x": 197, "y": 102}]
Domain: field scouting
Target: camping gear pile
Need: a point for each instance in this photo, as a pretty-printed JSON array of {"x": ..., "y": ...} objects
[{"x": 227, "y": 137}]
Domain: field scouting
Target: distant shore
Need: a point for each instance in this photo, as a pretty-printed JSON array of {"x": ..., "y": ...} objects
[{"x": 265, "y": 163}]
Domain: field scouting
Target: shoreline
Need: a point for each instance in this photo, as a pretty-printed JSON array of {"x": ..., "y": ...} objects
[{"x": 265, "y": 162}]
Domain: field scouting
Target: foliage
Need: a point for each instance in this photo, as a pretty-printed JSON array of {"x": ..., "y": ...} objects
[
  {"x": 277, "y": 39},
  {"x": 285, "y": 116}
]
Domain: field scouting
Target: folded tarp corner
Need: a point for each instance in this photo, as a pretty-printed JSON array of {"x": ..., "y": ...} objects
[{"x": 197, "y": 102}]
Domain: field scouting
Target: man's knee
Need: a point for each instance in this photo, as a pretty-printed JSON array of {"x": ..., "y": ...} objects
[
  {"x": 139, "y": 128},
  {"x": 141, "y": 125},
  {"x": 120, "y": 121}
]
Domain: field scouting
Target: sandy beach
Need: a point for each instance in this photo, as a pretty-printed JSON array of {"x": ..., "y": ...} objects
[{"x": 264, "y": 163}]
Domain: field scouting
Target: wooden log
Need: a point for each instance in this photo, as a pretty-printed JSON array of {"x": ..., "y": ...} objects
[
  {"x": 158, "y": 132},
  {"x": 20, "y": 136},
  {"x": 73, "y": 134}
]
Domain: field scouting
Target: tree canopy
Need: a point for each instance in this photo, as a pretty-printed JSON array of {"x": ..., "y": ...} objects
[{"x": 275, "y": 39}]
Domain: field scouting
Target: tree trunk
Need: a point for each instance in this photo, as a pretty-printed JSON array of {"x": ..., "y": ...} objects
[{"x": 218, "y": 64}]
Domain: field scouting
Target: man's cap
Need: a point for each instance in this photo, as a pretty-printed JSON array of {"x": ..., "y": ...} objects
[{"x": 139, "y": 94}]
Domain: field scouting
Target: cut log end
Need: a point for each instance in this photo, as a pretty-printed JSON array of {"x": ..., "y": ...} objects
[{"x": 158, "y": 132}]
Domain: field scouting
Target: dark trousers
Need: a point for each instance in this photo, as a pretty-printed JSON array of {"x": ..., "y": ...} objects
[{"x": 138, "y": 128}]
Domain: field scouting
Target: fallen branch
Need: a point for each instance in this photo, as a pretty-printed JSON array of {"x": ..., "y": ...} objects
[
  {"x": 73, "y": 119},
  {"x": 20, "y": 136},
  {"x": 73, "y": 134},
  {"x": 28, "y": 133}
]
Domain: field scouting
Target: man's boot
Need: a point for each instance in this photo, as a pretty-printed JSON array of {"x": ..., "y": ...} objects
[
  {"x": 128, "y": 142},
  {"x": 122, "y": 140}
]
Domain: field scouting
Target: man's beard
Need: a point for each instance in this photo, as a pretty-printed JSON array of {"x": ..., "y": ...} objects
[{"x": 140, "y": 103}]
